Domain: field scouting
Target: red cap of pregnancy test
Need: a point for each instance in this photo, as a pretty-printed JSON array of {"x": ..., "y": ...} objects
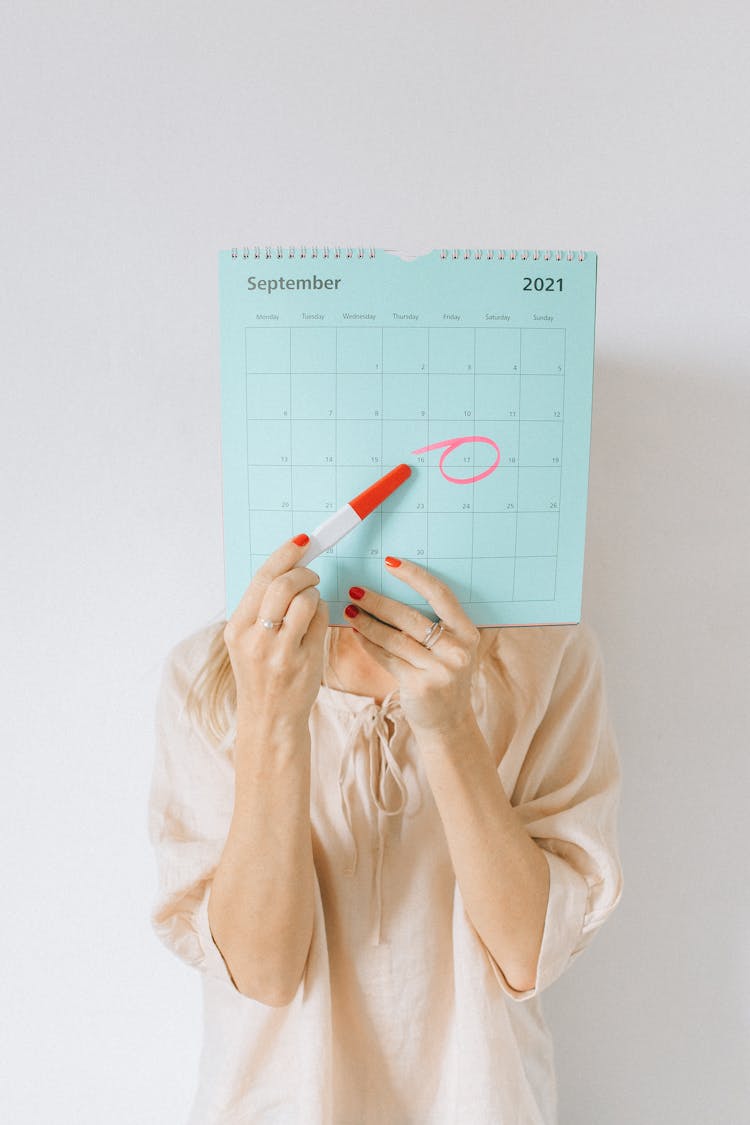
[{"x": 368, "y": 500}]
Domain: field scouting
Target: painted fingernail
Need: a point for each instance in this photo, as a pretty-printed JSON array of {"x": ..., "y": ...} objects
[
  {"x": 300, "y": 540},
  {"x": 351, "y": 611},
  {"x": 390, "y": 561},
  {"x": 356, "y": 592}
]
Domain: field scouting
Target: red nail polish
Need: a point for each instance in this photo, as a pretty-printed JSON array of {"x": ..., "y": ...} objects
[
  {"x": 351, "y": 611},
  {"x": 390, "y": 561},
  {"x": 300, "y": 540},
  {"x": 356, "y": 592}
]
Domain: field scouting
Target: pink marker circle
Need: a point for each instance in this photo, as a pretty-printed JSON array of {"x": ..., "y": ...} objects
[{"x": 450, "y": 444}]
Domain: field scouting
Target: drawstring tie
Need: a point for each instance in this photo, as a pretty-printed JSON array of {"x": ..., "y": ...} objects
[{"x": 371, "y": 723}]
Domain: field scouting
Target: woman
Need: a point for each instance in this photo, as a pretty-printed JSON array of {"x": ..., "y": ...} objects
[{"x": 378, "y": 877}]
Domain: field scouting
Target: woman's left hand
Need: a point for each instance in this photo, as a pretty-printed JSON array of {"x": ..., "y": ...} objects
[{"x": 434, "y": 683}]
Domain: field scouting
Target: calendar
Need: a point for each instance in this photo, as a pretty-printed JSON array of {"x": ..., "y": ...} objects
[{"x": 474, "y": 367}]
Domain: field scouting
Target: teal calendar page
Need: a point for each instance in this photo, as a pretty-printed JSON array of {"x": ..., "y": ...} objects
[{"x": 475, "y": 367}]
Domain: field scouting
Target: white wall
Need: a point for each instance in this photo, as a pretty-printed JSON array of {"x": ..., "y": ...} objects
[{"x": 137, "y": 141}]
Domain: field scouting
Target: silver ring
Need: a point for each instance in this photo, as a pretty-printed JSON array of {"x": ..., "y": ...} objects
[
  {"x": 269, "y": 624},
  {"x": 433, "y": 633}
]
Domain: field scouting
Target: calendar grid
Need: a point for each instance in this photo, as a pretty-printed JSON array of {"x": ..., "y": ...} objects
[
  {"x": 247, "y": 475},
  {"x": 473, "y": 460},
  {"x": 562, "y": 461},
  {"x": 382, "y": 451},
  {"x": 518, "y": 459},
  {"x": 339, "y": 500},
  {"x": 429, "y": 415},
  {"x": 291, "y": 474},
  {"x": 334, "y": 409}
]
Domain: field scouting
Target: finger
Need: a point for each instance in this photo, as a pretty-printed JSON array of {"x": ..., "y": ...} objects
[
  {"x": 300, "y": 613},
  {"x": 282, "y": 589},
  {"x": 392, "y": 641},
  {"x": 403, "y": 617},
  {"x": 282, "y": 559},
  {"x": 439, "y": 595}
]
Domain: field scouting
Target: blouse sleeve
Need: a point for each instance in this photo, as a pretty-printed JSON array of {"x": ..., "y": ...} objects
[
  {"x": 567, "y": 797},
  {"x": 189, "y": 812}
]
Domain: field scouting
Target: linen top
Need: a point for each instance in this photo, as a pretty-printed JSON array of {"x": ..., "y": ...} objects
[{"x": 402, "y": 1016}]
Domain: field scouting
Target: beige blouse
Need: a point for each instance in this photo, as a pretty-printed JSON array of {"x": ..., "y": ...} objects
[{"x": 403, "y": 1017}]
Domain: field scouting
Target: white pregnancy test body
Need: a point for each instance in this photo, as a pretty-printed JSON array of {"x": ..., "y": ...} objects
[{"x": 329, "y": 532}]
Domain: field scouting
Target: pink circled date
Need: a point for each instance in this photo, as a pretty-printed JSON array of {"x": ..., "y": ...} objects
[{"x": 453, "y": 443}]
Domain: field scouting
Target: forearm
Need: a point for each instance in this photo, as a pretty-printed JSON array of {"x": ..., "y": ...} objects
[
  {"x": 262, "y": 900},
  {"x": 502, "y": 874}
]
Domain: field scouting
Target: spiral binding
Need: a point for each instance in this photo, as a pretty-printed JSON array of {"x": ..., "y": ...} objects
[{"x": 302, "y": 252}]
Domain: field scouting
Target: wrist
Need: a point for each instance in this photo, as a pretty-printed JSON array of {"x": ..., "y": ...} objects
[
  {"x": 264, "y": 735},
  {"x": 272, "y": 757},
  {"x": 456, "y": 729}
]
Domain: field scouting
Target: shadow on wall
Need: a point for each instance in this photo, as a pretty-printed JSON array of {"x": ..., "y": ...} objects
[{"x": 667, "y": 563}]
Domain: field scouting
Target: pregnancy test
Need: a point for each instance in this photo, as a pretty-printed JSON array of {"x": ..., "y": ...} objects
[{"x": 351, "y": 515}]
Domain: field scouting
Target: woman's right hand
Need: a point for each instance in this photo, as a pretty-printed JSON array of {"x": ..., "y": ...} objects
[{"x": 278, "y": 671}]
